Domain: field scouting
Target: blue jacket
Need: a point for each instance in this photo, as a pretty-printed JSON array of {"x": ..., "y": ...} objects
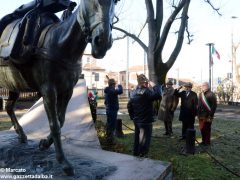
[{"x": 111, "y": 97}]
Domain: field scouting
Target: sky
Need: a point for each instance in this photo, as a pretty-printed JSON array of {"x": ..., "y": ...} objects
[{"x": 192, "y": 62}]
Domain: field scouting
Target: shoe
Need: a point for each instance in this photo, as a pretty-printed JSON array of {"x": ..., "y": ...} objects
[
  {"x": 203, "y": 144},
  {"x": 166, "y": 134},
  {"x": 181, "y": 139}
]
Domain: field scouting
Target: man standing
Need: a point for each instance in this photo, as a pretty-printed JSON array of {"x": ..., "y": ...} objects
[
  {"x": 167, "y": 107},
  {"x": 206, "y": 108},
  {"x": 112, "y": 106},
  {"x": 140, "y": 108},
  {"x": 188, "y": 109}
]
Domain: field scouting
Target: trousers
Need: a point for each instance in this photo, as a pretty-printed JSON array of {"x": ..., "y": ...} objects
[
  {"x": 142, "y": 139},
  {"x": 205, "y": 128}
]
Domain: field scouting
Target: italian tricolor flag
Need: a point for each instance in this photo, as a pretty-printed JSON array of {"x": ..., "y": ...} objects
[{"x": 215, "y": 53}]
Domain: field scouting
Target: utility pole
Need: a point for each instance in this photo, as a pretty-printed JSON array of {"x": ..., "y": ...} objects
[
  {"x": 144, "y": 63},
  {"x": 127, "y": 68},
  {"x": 234, "y": 49}
]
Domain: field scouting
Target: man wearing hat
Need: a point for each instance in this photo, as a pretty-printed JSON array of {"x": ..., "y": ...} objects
[
  {"x": 167, "y": 107},
  {"x": 140, "y": 108},
  {"x": 112, "y": 106},
  {"x": 188, "y": 109}
]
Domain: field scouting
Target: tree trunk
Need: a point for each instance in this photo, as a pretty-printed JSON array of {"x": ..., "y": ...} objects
[{"x": 157, "y": 71}]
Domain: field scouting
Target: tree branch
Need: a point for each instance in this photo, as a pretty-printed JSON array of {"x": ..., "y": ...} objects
[
  {"x": 141, "y": 29},
  {"x": 161, "y": 42},
  {"x": 179, "y": 43},
  {"x": 151, "y": 24},
  {"x": 144, "y": 25},
  {"x": 133, "y": 37},
  {"x": 215, "y": 9},
  {"x": 117, "y": 20},
  {"x": 119, "y": 38},
  {"x": 159, "y": 17},
  {"x": 189, "y": 35}
]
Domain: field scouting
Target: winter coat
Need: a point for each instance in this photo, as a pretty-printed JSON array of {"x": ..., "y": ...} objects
[
  {"x": 111, "y": 97},
  {"x": 212, "y": 101},
  {"x": 140, "y": 105},
  {"x": 168, "y": 105},
  {"x": 188, "y": 109}
]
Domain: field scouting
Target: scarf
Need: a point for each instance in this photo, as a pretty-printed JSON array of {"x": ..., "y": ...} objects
[{"x": 205, "y": 103}]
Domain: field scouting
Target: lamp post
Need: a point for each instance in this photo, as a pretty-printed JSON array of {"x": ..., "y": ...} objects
[
  {"x": 127, "y": 68},
  {"x": 144, "y": 63}
]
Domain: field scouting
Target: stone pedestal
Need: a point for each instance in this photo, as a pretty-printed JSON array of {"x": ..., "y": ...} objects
[{"x": 81, "y": 146}]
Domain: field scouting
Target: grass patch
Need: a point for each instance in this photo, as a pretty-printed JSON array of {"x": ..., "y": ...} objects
[
  {"x": 225, "y": 135},
  {"x": 5, "y": 123},
  {"x": 225, "y": 148}
]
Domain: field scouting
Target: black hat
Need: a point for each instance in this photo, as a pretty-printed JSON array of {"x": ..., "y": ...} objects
[{"x": 169, "y": 83}]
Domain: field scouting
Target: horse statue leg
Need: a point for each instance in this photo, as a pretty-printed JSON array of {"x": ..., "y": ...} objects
[
  {"x": 11, "y": 101},
  {"x": 62, "y": 102},
  {"x": 49, "y": 94}
]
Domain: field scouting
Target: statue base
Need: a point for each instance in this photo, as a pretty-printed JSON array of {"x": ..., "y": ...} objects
[
  {"x": 80, "y": 144},
  {"x": 27, "y": 161}
]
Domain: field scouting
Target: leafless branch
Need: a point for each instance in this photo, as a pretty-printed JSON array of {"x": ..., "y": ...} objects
[
  {"x": 214, "y": 8},
  {"x": 168, "y": 25},
  {"x": 117, "y": 20},
  {"x": 142, "y": 28},
  {"x": 133, "y": 37},
  {"x": 120, "y": 37},
  {"x": 180, "y": 38},
  {"x": 189, "y": 35}
]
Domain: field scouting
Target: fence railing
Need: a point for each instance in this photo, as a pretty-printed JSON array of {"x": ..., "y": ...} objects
[
  {"x": 101, "y": 93},
  {"x": 4, "y": 93}
]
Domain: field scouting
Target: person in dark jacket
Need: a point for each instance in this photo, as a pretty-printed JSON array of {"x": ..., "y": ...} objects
[
  {"x": 188, "y": 109},
  {"x": 207, "y": 105},
  {"x": 140, "y": 108},
  {"x": 112, "y": 106}
]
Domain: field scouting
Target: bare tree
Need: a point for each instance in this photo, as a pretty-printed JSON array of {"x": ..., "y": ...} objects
[{"x": 158, "y": 33}]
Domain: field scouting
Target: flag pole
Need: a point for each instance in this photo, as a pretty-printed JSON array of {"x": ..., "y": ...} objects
[{"x": 210, "y": 64}]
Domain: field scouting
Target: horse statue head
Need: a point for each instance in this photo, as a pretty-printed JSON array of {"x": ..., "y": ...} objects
[{"x": 96, "y": 18}]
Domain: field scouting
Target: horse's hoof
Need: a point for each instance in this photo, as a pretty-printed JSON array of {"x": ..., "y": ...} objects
[
  {"x": 67, "y": 168},
  {"x": 69, "y": 171},
  {"x": 43, "y": 145},
  {"x": 22, "y": 139}
]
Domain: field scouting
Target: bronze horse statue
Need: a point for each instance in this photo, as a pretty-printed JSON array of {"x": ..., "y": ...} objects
[{"x": 54, "y": 67}]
